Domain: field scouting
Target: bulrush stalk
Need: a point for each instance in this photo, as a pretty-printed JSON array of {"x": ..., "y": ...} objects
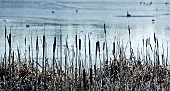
[
  {"x": 80, "y": 62},
  {"x": 104, "y": 54},
  {"x": 46, "y": 62},
  {"x": 60, "y": 51},
  {"x": 37, "y": 50},
  {"x": 114, "y": 50},
  {"x": 19, "y": 58},
  {"x": 95, "y": 66},
  {"x": 13, "y": 67},
  {"x": 166, "y": 65},
  {"x": 105, "y": 43},
  {"x": 85, "y": 52},
  {"x": 130, "y": 43},
  {"x": 90, "y": 63},
  {"x": 84, "y": 67},
  {"x": 76, "y": 62},
  {"x": 25, "y": 50},
  {"x": 65, "y": 77},
  {"x": 43, "y": 59},
  {"x": 5, "y": 48},
  {"x": 29, "y": 49},
  {"x": 54, "y": 47},
  {"x": 9, "y": 59},
  {"x": 167, "y": 56},
  {"x": 5, "y": 62},
  {"x": 95, "y": 71},
  {"x": 72, "y": 65},
  {"x": 32, "y": 62}
]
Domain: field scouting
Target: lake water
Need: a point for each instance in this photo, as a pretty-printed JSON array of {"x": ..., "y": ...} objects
[{"x": 90, "y": 17}]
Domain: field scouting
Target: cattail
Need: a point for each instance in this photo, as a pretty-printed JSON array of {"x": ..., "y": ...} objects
[
  {"x": 97, "y": 44},
  {"x": 73, "y": 55},
  {"x": 103, "y": 54},
  {"x": 167, "y": 55},
  {"x": 60, "y": 50},
  {"x": 9, "y": 60},
  {"x": 79, "y": 44},
  {"x": 154, "y": 37},
  {"x": 143, "y": 41},
  {"x": 96, "y": 48},
  {"x": 80, "y": 62},
  {"x": 90, "y": 62},
  {"x": 46, "y": 61},
  {"x": 113, "y": 48},
  {"x": 29, "y": 55},
  {"x": 76, "y": 62},
  {"x": 91, "y": 81},
  {"x": 37, "y": 50},
  {"x": 66, "y": 63},
  {"x": 25, "y": 50},
  {"x": 37, "y": 47},
  {"x": 5, "y": 32},
  {"x": 9, "y": 39},
  {"x": 146, "y": 43},
  {"x": 32, "y": 53},
  {"x": 76, "y": 41},
  {"x": 157, "y": 44},
  {"x": 5, "y": 47},
  {"x": 129, "y": 29},
  {"x": 104, "y": 29},
  {"x": 84, "y": 79},
  {"x": 85, "y": 52},
  {"x": 43, "y": 53},
  {"x": 95, "y": 72},
  {"x": 54, "y": 47}
]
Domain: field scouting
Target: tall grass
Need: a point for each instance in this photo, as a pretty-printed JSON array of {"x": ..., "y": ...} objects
[{"x": 119, "y": 72}]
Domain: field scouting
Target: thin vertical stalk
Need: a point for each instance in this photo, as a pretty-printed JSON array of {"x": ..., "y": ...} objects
[
  {"x": 37, "y": 50},
  {"x": 13, "y": 67},
  {"x": 5, "y": 47},
  {"x": 43, "y": 59},
  {"x": 25, "y": 50},
  {"x": 72, "y": 65},
  {"x": 9, "y": 60},
  {"x": 90, "y": 63},
  {"x": 60, "y": 50},
  {"x": 76, "y": 62},
  {"x": 84, "y": 79},
  {"x": 32, "y": 60},
  {"x": 29, "y": 49},
  {"x": 46, "y": 61},
  {"x": 84, "y": 68},
  {"x": 54, "y": 47},
  {"x": 65, "y": 77},
  {"x": 5, "y": 63},
  {"x": 79, "y": 62},
  {"x": 85, "y": 52}
]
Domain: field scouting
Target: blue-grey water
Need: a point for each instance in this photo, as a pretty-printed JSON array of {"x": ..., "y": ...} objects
[{"x": 90, "y": 17}]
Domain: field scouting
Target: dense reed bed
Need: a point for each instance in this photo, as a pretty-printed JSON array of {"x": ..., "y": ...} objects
[{"x": 148, "y": 71}]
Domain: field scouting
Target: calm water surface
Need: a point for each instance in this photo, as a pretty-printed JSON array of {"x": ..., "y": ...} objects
[{"x": 90, "y": 18}]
